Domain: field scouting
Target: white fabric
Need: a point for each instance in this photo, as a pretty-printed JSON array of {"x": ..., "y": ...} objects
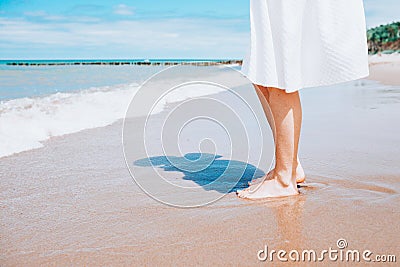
[{"x": 306, "y": 43}]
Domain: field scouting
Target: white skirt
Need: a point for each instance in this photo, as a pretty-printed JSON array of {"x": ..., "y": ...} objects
[{"x": 306, "y": 43}]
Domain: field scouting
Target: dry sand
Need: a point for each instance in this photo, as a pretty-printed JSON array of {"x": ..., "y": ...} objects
[
  {"x": 385, "y": 68},
  {"x": 73, "y": 202}
]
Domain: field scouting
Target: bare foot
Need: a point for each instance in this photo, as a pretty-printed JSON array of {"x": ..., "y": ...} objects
[
  {"x": 268, "y": 188},
  {"x": 300, "y": 176},
  {"x": 268, "y": 176}
]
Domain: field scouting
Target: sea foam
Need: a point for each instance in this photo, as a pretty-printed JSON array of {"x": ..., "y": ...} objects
[{"x": 25, "y": 123}]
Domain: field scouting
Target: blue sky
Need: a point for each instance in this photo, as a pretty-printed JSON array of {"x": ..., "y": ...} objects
[{"x": 112, "y": 29}]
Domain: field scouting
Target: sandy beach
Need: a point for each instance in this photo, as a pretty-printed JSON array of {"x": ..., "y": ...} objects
[
  {"x": 385, "y": 68},
  {"x": 73, "y": 202}
]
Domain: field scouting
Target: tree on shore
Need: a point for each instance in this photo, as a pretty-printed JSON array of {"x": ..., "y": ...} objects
[{"x": 384, "y": 38}]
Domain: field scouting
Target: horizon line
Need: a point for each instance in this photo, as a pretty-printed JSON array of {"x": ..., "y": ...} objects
[{"x": 10, "y": 59}]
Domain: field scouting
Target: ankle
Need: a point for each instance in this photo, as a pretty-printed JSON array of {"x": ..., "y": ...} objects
[{"x": 284, "y": 177}]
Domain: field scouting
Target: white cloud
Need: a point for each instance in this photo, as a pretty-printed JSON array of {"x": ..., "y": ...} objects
[
  {"x": 43, "y": 15},
  {"x": 157, "y": 38},
  {"x": 123, "y": 10}
]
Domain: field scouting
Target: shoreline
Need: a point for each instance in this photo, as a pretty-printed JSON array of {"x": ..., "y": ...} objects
[
  {"x": 383, "y": 69},
  {"x": 73, "y": 201}
]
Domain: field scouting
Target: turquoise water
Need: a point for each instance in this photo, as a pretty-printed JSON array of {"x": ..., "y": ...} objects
[
  {"x": 34, "y": 81},
  {"x": 39, "y": 102},
  {"x": 19, "y": 81}
]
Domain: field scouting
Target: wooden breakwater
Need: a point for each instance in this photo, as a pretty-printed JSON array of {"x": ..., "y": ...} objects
[{"x": 120, "y": 63}]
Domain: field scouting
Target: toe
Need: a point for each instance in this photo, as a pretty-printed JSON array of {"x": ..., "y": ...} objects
[
  {"x": 300, "y": 180},
  {"x": 243, "y": 193}
]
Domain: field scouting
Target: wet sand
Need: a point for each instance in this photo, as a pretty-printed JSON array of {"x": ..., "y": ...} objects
[{"x": 73, "y": 202}]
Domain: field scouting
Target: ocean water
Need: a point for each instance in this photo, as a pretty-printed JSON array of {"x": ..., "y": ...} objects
[
  {"x": 37, "y": 81},
  {"x": 39, "y": 102},
  {"x": 30, "y": 80}
]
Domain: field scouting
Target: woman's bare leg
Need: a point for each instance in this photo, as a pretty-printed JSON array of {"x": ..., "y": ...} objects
[
  {"x": 263, "y": 95},
  {"x": 286, "y": 113}
]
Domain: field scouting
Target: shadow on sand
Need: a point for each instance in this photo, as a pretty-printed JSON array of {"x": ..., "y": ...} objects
[{"x": 204, "y": 169}]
